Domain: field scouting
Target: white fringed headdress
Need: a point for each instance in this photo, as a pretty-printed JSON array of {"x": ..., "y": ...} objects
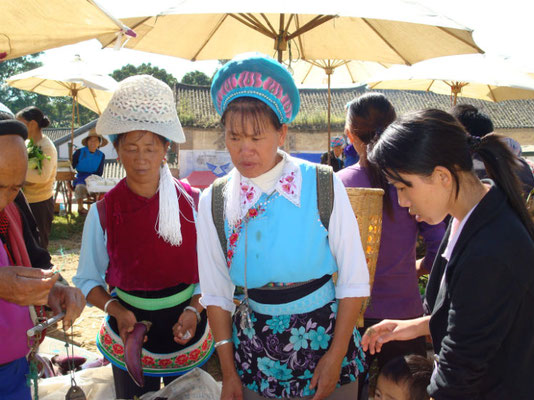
[{"x": 168, "y": 224}]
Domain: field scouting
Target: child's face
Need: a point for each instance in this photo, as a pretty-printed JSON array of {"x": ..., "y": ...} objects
[{"x": 386, "y": 389}]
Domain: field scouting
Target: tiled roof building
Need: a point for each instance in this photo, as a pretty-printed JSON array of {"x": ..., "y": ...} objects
[{"x": 195, "y": 108}]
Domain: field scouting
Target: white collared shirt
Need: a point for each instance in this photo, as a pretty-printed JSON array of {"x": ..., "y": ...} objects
[{"x": 343, "y": 236}]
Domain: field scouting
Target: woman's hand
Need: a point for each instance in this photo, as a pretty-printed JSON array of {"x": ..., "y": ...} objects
[
  {"x": 389, "y": 330},
  {"x": 326, "y": 376},
  {"x": 184, "y": 330},
  {"x": 125, "y": 319},
  {"x": 232, "y": 388},
  {"x": 69, "y": 299}
]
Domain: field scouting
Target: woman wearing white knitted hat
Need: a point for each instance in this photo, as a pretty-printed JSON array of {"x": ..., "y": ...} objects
[{"x": 140, "y": 241}]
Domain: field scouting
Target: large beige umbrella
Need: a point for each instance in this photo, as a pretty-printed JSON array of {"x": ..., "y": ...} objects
[
  {"x": 341, "y": 73},
  {"x": 389, "y": 31},
  {"x": 75, "y": 79},
  {"x": 475, "y": 75},
  {"x": 30, "y": 26},
  {"x": 333, "y": 73}
]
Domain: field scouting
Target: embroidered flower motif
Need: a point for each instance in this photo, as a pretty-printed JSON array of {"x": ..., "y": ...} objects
[
  {"x": 299, "y": 338},
  {"x": 204, "y": 345},
  {"x": 107, "y": 339},
  {"x": 307, "y": 391},
  {"x": 278, "y": 323},
  {"x": 307, "y": 375},
  {"x": 236, "y": 231},
  {"x": 265, "y": 364},
  {"x": 289, "y": 184},
  {"x": 319, "y": 338},
  {"x": 181, "y": 359},
  {"x": 233, "y": 238},
  {"x": 164, "y": 362},
  {"x": 118, "y": 349},
  {"x": 280, "y": 372},
  {"x": 147, "y": 361},
  {"x": 194, "y": 354}
]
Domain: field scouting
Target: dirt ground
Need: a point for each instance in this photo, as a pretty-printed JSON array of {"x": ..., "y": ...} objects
[{"x": 64, "y": 248}]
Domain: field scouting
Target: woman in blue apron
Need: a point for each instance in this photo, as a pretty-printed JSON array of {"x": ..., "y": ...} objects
[
  {"x": 87, "y": 161},
  {"x": 278, "y": 227}
]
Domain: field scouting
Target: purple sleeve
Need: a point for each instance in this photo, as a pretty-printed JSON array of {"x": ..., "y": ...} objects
[{"x": 432, "y": 235}]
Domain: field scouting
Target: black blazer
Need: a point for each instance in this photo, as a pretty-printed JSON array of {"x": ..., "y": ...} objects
[{"x": 482, "y": 322}]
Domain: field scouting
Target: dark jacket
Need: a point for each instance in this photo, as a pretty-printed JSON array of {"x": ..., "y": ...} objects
[
  {"x": 335, "y": 163},
  {"x": 523, "y": 171},
  {"x": 482, "y": 322}
]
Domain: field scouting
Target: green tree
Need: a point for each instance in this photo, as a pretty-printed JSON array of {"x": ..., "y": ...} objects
[
  {"x": 145, "y": 68},
  {"x": 198, "y": 78},
  {"x": 13, "y": 98},
  {"x": 58, "y": 109}
]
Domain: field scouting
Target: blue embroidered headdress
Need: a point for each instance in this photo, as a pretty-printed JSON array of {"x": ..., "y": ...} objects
[{"x": 259, "y": 76}]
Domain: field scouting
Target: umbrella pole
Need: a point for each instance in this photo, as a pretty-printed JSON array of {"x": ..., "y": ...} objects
[
  {"x": 328, "y": 119},
  {"x": 72, "y": 126}
]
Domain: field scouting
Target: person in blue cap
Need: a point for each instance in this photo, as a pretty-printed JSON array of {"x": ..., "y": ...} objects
[
  {"x": 335, "y": 160},
  {"x": 278, "y": 227}
]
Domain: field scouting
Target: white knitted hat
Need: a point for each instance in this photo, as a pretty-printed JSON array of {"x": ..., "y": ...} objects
[{"x": 142, "y": 102}]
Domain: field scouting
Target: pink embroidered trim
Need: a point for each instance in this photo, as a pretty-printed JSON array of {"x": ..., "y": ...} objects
[
  {"x": 175, "y": 362},
  {"x": 288, "y": 184},
  {"x": 255, "y": 80}
]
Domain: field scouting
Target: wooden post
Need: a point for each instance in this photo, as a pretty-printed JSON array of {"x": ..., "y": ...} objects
[{"x": 329, "y": 73}]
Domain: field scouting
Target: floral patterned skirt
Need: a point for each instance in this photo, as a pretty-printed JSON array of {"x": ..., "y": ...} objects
[
  {"x": 278, "y": 355},
  {"x": 161, "y": 355}
]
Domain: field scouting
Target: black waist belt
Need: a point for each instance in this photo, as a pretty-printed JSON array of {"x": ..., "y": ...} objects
[{"x": 287, "y": 294}]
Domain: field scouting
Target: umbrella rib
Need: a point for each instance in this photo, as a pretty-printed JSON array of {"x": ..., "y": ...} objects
[
  {"x": 430, "y": 85},
  {"x": 268, "y": 23},
  {"x": 299, "y": 38},
  {"x": 253, "y": 20},
  {"x": 33, "y": 88},
  {"x": 385, "y": 41},
  {"x": 478, "y": 49},
  {"x": 350, "y": 72},
  {"x": 94, "y": 99},
  {"x": 215, "y": 29},
  {"x": 260, "y": 29},
  {"x": 491, "y": 94},
  {"x": 289, "y": 22},
  {"x": 315, "y": 22},
  {"x": 307, "y": 73},
  {"x": 339, "y": 63},
  {"x": 316, "y": 63}
]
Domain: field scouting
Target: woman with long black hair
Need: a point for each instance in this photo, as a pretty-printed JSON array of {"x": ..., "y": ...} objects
[
  {"x": 395, "y": 293},
  {"x": 480, "y": 294}
]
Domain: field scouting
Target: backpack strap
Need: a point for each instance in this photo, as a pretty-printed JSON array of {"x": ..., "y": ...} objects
[
  {"x": 217, "y": 209},
  {"x": 101, "y": 207},
  {"x": 325, "y": 193}
]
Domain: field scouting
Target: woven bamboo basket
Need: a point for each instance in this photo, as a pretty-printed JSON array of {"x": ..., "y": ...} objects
[{"x": 367, "y": 206}]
